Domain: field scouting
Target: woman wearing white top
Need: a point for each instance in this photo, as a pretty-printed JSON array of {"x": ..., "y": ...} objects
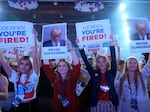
[
  {"x": 133, "y": 93},
  {"x": 25, "y": 80}
]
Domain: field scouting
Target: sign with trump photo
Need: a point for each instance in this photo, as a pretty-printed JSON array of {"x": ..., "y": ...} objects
[
  {"x": 54, "y": 38},
  {"x": 139, "y": 34}
]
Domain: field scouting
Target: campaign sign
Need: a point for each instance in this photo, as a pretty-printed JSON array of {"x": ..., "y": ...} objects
[
  {"x": 93, "y": 32},
  {"x": 142, "y": 46},
  {"x": 139, "y": 35},
  {"x": 16, "y": 34},
  {"x": 54, "y": 38}
]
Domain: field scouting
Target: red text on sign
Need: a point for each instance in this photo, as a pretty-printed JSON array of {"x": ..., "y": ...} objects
[
  {"x": 14, "y": 40},
  {"x": 94, "y": 37}
]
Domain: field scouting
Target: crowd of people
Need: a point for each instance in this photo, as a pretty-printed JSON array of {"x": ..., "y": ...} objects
[{"x": 116, "y": 85}]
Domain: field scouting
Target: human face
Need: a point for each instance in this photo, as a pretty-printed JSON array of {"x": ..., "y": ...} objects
[
  {"x": 101, "y": 64},
  {"x": 62, "y": 68},
  {"x": 24, "y": 66},
  {"x": 121, "y": 66},
  {"x": 142, "y": 31},
  {"x": 132, "y": 64},
  {"x": 55, "y": 36}
]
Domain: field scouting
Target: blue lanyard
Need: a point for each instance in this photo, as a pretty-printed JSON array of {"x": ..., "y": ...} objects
[
  {"x": 130, "y": 87},
  {"x": 62, "y": 86}
]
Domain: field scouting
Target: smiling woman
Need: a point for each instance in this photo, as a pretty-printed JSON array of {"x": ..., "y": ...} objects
[{"x": 64, "y": 79}]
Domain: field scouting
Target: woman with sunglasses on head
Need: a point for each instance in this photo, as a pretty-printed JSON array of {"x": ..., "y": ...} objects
[
  {"x": 25, "y": 80},
  {"x": 64, "y": 79}
]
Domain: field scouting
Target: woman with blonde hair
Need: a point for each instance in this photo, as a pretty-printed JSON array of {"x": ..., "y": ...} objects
[
  {"x": 25, "y": 80},
  {"x": 133, "y": 93},
  {"x": 103, "y": 96}
]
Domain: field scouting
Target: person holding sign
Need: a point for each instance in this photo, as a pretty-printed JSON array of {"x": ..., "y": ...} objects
[
  {"x": 64, "y": 79},
  {"x": 55, "y": 39},
  {"x": 103, "y": 96},
  {"x": 25, "y": 80},
  {"x": 133, "y": 91},
  {"x": 141, "y": 33}
]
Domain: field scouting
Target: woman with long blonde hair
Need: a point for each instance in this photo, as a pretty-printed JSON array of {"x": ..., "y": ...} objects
[{"x": 133, "y": 94}]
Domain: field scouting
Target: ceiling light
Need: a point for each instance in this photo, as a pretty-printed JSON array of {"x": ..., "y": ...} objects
[{"x": 55, "y": 3}]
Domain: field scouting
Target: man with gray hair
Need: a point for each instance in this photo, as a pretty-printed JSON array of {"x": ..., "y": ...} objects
[
  {"x": 56, "y": 39},
  {"x": 141, "y": 33}
]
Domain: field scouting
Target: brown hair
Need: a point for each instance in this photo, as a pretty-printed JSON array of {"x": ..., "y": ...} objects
[
  {"x": 136, "y": 74},
  {"x": 106, "y": 60},
  {"x": 68, "y": 64}
]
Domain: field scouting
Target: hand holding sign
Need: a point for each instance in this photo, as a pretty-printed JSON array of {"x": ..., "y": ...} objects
[
  {"x": 113, "y": 40},
  {"x": 79, "y": 44}
]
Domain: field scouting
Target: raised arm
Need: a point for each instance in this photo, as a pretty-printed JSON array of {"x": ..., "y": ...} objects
[
  {"x": 73, "y": 54},
  {"x": 146, "y": 69},
  {"x": 113, "y": 57},
  {"x": 119, "y": 56},
  {"x": 36, "y": 58},
  {"x": 84, "y": 57}
]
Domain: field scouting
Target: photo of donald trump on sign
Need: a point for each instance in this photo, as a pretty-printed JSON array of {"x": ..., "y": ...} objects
[{"x": 54, "y": 37}]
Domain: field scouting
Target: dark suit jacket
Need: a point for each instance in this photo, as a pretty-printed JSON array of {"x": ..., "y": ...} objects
[
  {"x": 49, "y": 43},
  {"x": 95, "y": 79},
  {"x": 135, "y": 36}
]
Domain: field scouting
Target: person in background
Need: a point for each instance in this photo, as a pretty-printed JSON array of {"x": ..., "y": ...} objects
[
  {"x": 45, "y": 89},
  {"x": 120, "y": 66},
  {"x": 3, "y": 89},
  {"x": 25, "y": 80},
  {"x": 6, "y": 104},
  {"x": 64, "y": 79},
  {"x": 142, "y": 63},
  {"x": 103, "y": 96},
  {"x": 141, "y": 33},
  {"x": 55, "y": 39},
  {"x": 133, "y": 93}
]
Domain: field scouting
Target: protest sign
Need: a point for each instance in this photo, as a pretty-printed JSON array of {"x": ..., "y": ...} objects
[
  {"x": 16, "y": 34},
  {"x": 54, "y": 38},
  {"x": 93, "y": 32},
  {"x": 139, "y": 35}
]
